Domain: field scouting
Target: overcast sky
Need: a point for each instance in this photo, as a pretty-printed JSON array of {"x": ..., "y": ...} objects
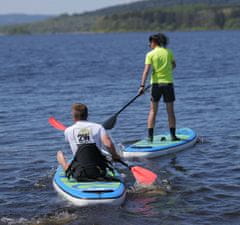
[{"x": 55, "y": 6}]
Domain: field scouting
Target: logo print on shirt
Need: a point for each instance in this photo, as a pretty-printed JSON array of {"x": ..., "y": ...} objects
[{"x": 84, "y": 136}]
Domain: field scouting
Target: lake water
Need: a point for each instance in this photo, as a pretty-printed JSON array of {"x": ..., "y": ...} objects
[{"x": 41, "y": 76}]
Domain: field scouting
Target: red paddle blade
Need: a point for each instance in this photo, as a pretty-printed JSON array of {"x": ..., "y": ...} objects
[
  {"x": 56, "y": 124},
  {"x": 143, "y": 176}
]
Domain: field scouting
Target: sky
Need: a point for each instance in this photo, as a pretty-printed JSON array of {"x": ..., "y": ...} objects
[{"x": 55, "y": 6}]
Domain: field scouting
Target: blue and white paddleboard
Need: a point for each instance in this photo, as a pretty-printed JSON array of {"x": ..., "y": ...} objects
[
  {"x": 159, "y": 147},
  {"x": 89, "y": 193}
]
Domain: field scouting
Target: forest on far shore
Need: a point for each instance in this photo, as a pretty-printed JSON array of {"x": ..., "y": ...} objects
[{"x": 168, "y": 18}]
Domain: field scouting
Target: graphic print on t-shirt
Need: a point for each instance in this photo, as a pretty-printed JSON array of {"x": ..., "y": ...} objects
[
  {"x": 84, "y": 132},
  {"x": 83, "y": 136}
]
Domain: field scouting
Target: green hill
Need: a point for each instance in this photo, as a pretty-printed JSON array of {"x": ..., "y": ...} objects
[{"x": 148, "y": 15}]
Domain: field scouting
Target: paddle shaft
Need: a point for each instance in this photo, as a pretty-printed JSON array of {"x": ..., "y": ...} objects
[
  {"x": 123, "y": 163},
  {"x": 130, "y": 102}
]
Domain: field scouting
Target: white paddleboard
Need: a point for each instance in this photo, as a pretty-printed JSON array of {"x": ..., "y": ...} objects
[{"x": 90, "y": 193}]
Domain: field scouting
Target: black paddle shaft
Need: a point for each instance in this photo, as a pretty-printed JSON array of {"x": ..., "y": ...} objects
[
  {"x": 129, "y": 103},
  {"x": 109, "y": 124},
  {"x": 123, "y": 163}
]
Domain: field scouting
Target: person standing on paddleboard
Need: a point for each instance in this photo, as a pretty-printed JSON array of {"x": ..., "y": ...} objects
[
  {"x": 162, "y": 62},
  {"x": 86, "y": 139}
]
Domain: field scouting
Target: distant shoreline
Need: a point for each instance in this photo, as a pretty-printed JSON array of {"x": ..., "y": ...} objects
[
  {"x": 185, "y": 17},
  {"x": 118, "y": 32}
]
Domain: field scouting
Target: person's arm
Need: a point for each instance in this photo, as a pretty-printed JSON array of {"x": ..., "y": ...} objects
[
  {"x": 174, "y": 65},
  {"x": 106, "y": 140},
  {"x": 172, "y": 59},
  {"x": 144, "y": 78},
  {"x": 66, "y": 135}
]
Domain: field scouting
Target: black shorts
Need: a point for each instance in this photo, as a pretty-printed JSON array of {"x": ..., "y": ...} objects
[{"x": 167, "y": 90}]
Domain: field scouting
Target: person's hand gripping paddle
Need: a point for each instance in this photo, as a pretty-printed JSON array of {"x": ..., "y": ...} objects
[{"x": 142, "y": 175}]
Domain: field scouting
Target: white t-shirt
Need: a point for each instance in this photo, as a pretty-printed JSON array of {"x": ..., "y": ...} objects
[{"x": 84, "y": 132}]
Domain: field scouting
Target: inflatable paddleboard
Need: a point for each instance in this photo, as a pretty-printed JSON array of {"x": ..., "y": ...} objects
[
  {"x": 161, "y": 145},
  {"x": 89, "y": 193}
]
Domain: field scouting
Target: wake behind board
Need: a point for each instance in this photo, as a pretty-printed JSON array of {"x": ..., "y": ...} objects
[
  {"x": 89, "y": 193},
  {"x": 145, "y": 149}
]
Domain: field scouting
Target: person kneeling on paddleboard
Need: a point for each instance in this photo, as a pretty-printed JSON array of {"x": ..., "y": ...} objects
[
  {"x": 162, "y": 61},
  {"x": 86, "y": 139}
]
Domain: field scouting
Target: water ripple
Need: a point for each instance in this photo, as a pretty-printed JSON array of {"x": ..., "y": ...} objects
[{"x": 41, "y": 76}]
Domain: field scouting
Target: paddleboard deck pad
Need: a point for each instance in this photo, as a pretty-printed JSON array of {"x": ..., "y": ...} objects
[
  {"x": 161, "y": 145},
  {"x": 90, "y": 192}
]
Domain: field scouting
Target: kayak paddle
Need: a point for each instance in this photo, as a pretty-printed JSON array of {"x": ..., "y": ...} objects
[
  {"x": 110, "y": 123},
  {"x": 56, "y": 124},
  {"x": 142, "y": 175}
]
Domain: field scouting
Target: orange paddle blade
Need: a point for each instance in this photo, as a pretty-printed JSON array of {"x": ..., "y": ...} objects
[
  {"x": 143, "y": 176},
  {"x": 56, "y": 124}
]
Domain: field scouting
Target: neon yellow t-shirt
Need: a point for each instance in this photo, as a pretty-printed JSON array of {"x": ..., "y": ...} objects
[{"x": 162, "y": 69}]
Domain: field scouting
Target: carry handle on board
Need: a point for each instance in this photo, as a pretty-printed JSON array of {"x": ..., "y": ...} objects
[{"x": 142, "y": 175}]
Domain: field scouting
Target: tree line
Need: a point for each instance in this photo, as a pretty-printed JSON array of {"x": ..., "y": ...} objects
[{"x": 180, "y": 17}]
